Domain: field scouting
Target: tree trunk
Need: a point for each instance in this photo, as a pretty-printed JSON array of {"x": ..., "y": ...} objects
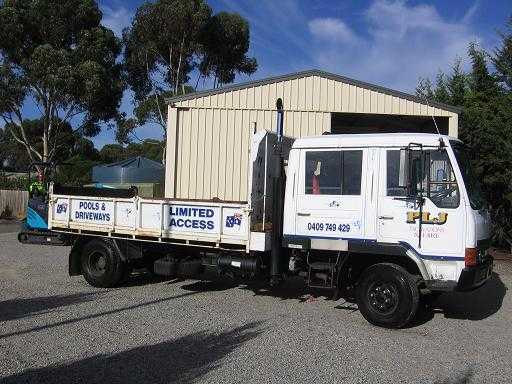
[
  {"x": 176, "y": 86},
  {"x": 45, "y": 145}
]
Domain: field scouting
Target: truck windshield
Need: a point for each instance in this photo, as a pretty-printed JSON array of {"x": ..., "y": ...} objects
[{"x": 471, "y": 182}]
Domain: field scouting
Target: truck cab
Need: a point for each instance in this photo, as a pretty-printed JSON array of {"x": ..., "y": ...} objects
[{"x": 395, "y": 200}]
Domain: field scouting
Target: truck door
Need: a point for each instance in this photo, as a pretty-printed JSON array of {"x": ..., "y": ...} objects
[
  {"x": 398, "y": 218},
  {"x": 329, "y": 202}
]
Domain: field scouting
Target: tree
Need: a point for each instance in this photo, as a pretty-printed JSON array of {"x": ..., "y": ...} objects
[
  {"x": 166, "y": 41},
  {"x": 502, "y": 58},
  {"x": 225, "y": 43},
  {"x": 441, "y": 92},
  {"x": 57, "y": 55},
  {"x": 112, "y": 153},
  {"x": 484, "y": 126},
  {"x": 456, "y": 85},
  {"x": 424, "y": 89},
  {"x": 159, "y": 51},
  {"x": 152, "y": 149}
]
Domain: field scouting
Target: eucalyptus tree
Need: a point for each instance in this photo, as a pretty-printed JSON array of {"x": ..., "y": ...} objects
[
  {"x": 166, "y": 42},
  {"x": 58, "y": 60},
  {"x": 225, "y": 44},
  {"x": 160, "y": 47}
]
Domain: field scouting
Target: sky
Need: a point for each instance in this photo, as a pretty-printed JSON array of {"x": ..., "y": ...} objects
[{"x": 391, "y": 43}]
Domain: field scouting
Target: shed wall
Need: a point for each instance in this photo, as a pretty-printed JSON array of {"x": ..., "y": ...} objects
[{"x": 314, "y": 93}]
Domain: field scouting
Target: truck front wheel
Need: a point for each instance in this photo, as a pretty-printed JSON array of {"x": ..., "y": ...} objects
[
  {"x": 101, "y": 264},
  {"x": 387, "y": 295}
]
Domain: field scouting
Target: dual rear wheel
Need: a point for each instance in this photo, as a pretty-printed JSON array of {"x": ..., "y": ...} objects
[{"x": 101, "y": 263}]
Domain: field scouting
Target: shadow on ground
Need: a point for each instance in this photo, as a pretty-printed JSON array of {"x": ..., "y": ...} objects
[
  {"x": 464, "y": 377},
  {"x": 19, "y": 308},
  {"x": 473, "y": 305},
  {"x": 94, "y": 315},
  {"x": 182, "y": 360},
  {"x": 291, "y": 289}
]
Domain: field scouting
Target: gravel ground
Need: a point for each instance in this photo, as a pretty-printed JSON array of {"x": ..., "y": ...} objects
[
  {"x": 55, "y": 329},
  {"x": 7, "y": 226}
]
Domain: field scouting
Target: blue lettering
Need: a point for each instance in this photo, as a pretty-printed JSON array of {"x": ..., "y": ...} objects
[
  {"x": 210, "y": 213},
  {"x": 210, "y": 225}
]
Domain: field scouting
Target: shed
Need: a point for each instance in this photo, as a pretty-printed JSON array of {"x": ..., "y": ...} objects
[
  {"x": 136, "y": 170},
  {"x": 209, "y": 132}
]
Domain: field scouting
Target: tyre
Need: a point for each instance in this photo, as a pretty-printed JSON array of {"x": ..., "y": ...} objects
[
  {"x": 387, "y": 295},
  {"x": 101, "y": 264}
]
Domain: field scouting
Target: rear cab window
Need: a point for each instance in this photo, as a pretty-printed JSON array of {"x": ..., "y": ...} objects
[{"x": 336, "y": 172}]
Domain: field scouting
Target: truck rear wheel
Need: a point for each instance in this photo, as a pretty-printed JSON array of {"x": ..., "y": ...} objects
[
  {"x": 101, "y": 264},
  {"x": 387, "y": 295}
]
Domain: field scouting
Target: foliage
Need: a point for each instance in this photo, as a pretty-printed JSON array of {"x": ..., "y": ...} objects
[
  {"x": 502, "y": 58},
  {"x": 13, "y": 183},
  {"x": 484, "y": 125},
  {"x": 152, "y": 149},
  {"x": 225, "y": 45},
  {"x": 57, "y": 55},
  {"x": 167, "y": 40},
  {"x": 77, "y": 171}
]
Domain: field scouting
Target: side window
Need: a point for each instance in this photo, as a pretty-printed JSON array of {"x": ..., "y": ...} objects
[
  {"x": 441, "y": 188},
  {"x": 438, "y": 182},
  {"x": 333, "y": 172},
  {"x": 394, "y": 186},
  {"x": 352, "y": 169}
]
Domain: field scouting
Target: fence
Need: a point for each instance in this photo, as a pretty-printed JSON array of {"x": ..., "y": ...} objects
[{"x": 13, "y": 204}]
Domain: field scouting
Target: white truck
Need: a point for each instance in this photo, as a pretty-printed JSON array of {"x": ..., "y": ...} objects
[{"x": 379, "y": 218}]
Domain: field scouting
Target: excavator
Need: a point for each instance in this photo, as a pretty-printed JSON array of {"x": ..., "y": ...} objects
[{"x": 34, "y": 228}]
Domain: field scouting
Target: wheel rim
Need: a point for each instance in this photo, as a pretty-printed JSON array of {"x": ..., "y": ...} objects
[
  {"x": 383, "y": 297},
  {"x": 97, "y": 263}
]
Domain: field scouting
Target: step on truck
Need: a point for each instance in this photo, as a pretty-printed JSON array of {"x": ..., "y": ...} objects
[{"x": 377, "y": 218}]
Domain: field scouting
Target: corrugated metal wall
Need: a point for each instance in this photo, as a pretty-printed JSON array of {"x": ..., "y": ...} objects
[
  {"x": 208, "y": 137},
  {"x": 314, "y": 93}
]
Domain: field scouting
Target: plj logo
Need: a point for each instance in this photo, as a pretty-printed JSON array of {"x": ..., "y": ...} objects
[
  {"x": 236, "y": 219},
  {"x": 62, "y": 208}
]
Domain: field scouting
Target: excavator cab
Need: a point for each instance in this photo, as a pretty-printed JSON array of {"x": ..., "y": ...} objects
[{"x": 34, "y": 228}]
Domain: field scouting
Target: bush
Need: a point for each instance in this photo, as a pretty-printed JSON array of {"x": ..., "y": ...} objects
[{"x": 13, "y": 183}]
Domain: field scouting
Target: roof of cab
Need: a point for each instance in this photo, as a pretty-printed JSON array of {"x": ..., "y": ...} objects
[{"x": 371, "y": 140}]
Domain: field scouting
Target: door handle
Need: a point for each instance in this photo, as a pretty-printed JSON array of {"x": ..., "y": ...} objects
[
  {"x": 303, "y": 214},
  {"x": 386, "y": 217}
]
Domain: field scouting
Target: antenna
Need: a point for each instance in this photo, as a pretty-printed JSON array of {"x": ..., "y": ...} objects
[{"x": 441, "y": 142}]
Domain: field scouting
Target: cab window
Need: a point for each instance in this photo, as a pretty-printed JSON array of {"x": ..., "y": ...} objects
[
  {"x": 333, "y": 172},
  {"x": 438, "y": 182}
]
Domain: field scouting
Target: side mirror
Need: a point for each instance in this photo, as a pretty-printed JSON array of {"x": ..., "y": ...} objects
[
  {"x": 414, "y": 175},
  {"x": 403, "y": 173}
]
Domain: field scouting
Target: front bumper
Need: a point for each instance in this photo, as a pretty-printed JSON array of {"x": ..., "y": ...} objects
[{"x": 473, "y": 277}]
